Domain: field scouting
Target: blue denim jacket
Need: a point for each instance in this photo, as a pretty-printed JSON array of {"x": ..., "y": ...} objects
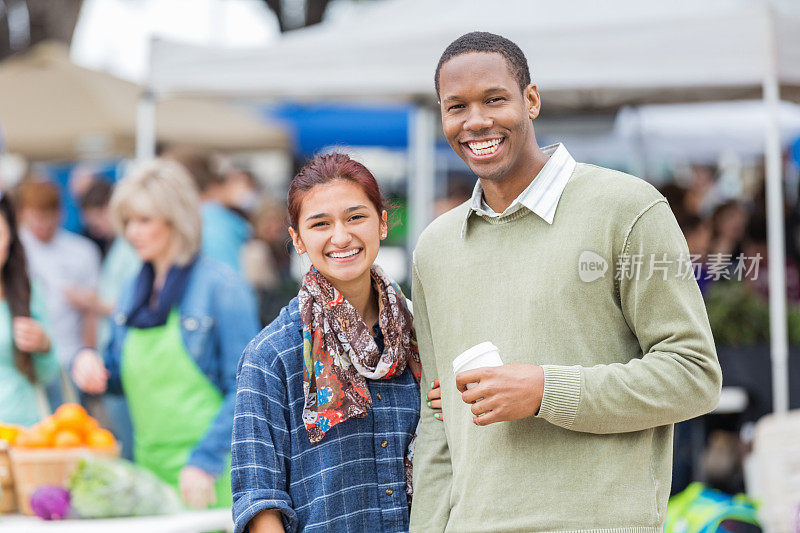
[{"x": 218, "y": 319}]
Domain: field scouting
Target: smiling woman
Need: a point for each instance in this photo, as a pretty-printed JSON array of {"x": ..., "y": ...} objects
[
  {"x": 338, "y": 218},
  {"x": 328, "y": 396},
  {"x": 179, "y": 329}
]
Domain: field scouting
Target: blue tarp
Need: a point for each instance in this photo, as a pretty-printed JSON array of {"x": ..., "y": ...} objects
[{"x": 316, "y": 126}]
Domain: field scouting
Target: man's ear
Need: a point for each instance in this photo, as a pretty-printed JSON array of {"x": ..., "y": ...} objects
[
  {"x": 532, "y": 101},
  {"x": 296, "y": 242}
]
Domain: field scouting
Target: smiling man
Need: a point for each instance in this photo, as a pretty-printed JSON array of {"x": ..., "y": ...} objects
[{"x": 578, "y": 275}]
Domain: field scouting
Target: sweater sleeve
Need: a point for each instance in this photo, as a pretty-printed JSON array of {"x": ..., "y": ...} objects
[
  {"x": 678, "y": 375},
  {"x": 433, "y": 471}
]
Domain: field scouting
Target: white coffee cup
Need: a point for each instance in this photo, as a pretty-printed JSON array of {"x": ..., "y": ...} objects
[{"x": 479, "y": 356}]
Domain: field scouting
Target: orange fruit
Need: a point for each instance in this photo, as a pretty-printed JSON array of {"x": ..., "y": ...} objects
[
  {"x": 90, "y": 424},
  {"x": 101, "y": 438},
  {"x": 66, "y": 438},
  {"x": 9, "y": 433},
  {"x": 71, "y": 416},
  {"x": 48, "y": 427},
  {"x": 32, "y": 438}
]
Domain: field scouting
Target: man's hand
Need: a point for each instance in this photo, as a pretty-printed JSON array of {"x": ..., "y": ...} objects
[
  {"x": 197, "y": 487},
  {"x": 502, "y": 393}
]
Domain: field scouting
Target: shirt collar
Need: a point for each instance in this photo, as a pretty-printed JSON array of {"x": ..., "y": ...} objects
[{"x": 541, "y": 196}]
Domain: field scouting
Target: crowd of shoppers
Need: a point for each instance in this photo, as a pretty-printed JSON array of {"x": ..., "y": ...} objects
[
  {"x": 727, "y": 236},
  {"x": 142, "y": 318},
  {"x": 178, "y": 332}
]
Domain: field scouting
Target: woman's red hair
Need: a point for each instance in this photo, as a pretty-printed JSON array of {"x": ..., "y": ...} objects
[{"x": 325, "y": 169}]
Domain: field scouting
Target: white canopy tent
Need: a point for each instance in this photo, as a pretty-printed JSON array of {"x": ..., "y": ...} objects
[
  {"x": 584, "y": 56},
  {"x": 704, "y": 131}
]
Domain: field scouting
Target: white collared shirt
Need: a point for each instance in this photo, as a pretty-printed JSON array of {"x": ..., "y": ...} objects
[{"x": 541, "y": 196}]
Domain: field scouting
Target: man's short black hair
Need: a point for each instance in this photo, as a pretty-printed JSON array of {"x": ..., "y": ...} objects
[
  {"x": 481, "y": 41},
  {"x": 97, "y": 195}
]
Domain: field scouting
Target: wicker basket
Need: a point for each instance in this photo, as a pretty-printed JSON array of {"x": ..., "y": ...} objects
[
  {"x": 33, "y": 468},
  {"x": 8, "y": 502}
]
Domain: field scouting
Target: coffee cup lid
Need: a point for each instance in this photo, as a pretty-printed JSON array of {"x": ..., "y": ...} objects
[{"x": 471, "y": 353}]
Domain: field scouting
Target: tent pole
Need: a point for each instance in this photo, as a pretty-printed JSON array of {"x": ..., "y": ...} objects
[
  {"x": 422, "y": 175},
  {"x": 779, "y": 345},
  {"x": 146, "y": 126}
]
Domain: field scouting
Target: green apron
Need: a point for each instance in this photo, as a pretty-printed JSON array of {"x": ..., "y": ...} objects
[{"x": 172, "y": 403}]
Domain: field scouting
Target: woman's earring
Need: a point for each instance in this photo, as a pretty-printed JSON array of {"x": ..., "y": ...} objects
[{"x": 383, "y": 235}]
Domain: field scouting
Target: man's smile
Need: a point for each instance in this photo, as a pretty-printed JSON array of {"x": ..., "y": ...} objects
[{"x": 483, "y": 149}]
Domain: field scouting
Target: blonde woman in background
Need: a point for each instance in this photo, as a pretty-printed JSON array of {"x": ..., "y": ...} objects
[{"x": 178, "y": 332}]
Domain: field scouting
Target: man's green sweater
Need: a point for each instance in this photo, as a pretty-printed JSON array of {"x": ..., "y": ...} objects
[{"x": 625, "y": 356}]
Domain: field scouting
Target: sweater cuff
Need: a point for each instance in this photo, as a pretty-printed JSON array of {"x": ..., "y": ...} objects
[{"x": 562, "y": 394}]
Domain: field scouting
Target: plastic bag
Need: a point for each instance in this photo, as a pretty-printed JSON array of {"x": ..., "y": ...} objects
[{"x": 106, "y": 488}]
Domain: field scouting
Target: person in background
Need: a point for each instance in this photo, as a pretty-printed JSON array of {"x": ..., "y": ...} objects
[
  {"x": 224, "y": 230},
  {"x": 120, "y": 264},
  {"x": 728, "y": 224},
  {"x": 60, "y": 262},
  {"x": 676, "y": 197},
  {"x": 261, "y": 256},
  {"x": 241, "y": 192},
  {"x": 26, "y": 353},
  {"x": 697, "y": 232},
  {"x": 702, "y": 196},
  {"x": 94, "y": 213},
  {"x": 755, "y": 248},
  {"x": 179, "y": 329},
  {"x": 458, "y": 192}
]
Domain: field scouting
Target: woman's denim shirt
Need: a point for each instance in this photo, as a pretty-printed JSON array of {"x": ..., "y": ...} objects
[
  {"x": 352, "y": 480},
  {"x": 218, "y": 319}
]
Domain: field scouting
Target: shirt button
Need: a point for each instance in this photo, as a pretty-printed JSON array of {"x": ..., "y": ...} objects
[
  {"x": 389, "y": 492},
  {"x": 379, "y": 396},
  {"x": 384, "y": 444}
]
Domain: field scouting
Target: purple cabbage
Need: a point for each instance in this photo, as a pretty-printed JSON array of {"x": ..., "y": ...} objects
[{"x": 51, "y": 502}]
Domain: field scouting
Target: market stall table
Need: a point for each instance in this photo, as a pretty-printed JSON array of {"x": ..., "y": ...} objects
[{"x": 187, "y": 522}]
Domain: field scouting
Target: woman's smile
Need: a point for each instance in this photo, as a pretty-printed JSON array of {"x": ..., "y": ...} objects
[{"x": 344, "y": 256}]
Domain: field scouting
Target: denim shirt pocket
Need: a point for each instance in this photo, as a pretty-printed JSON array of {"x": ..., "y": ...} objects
[{"x": 197, "y": 331}]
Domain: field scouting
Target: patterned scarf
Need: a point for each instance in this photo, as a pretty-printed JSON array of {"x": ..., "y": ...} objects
[{"x": 340, "y": 353}]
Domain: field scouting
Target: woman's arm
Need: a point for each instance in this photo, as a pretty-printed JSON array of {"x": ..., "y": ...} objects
[
  {"x": 235, "y": 324},
  {"x": 96, "y": 373},
  {"x": 261, "y": 444},
  {"x": 267, "y": 522}
]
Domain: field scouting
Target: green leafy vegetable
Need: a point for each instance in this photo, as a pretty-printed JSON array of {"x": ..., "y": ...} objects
[{"x": 105, "y": 488}]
